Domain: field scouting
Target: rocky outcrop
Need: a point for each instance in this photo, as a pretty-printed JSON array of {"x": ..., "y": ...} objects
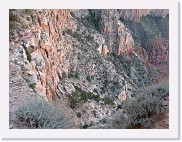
[
  {"x": 116, "y": 35},
  {"x": 88, "y": 59},
  {"x": 43, "y": 43},
  {"x": 158, "y": 51},
  {"x": 103, "y": 50},
  {"x": 136, "y": 14}
]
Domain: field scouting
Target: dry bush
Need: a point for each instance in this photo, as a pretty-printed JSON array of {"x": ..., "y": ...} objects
[
  {"x": 138, "y": 112},
  {"x": 38, "y": 114}
]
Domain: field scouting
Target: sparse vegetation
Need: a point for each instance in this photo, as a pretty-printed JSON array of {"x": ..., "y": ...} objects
[
  {"x": 90, "y": 38},
  {"x": 73, "y": 74},
  {"x": 79, "y": 114},
  {"x": 33, "y": 86},
  {"x": 12, "y": 20},
  {"x": 90, "y": 21},
  {"x": 72, "y": 14},
  {"x": 64, "y": 75},
  {"x": 74, "y": 34},
  {"x": 139, "y": 111},
  {"x": 149, "y": 27},
  {"x": 38, "y": 114},
  {"x": 28, "y": 11},
  {"x": 12, "y": 15},
  {"x": 80, "y": 96},
  {"x": 85, "y": 126},
  {"x": 108, "y": 100},
  {"x": 89, "y": 78},
  {"x": 65, "y": 53},
  {"x": 28, "y": 55}
]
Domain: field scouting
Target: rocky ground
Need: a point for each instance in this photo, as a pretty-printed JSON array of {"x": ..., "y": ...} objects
[{"x": 90, "y": 61}]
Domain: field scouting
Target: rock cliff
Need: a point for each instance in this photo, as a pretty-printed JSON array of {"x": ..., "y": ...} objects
[{"x": 90, "y": 60}]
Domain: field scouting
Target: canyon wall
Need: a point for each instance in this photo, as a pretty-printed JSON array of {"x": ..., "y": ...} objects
[
  {"x": 136, "y": 14},
  {"x": 40, "y": 37},
  {"x": 91, "y": 60}
]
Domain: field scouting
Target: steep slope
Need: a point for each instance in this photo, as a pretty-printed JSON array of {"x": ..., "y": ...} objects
[{"x": 92, "y": 60}]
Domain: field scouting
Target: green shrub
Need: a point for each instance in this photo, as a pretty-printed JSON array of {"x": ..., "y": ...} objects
[
  {"x": 73, "y": 100},
  {"x": 38, "y": 114},
  {"x": 108, "y": 100},
  {"x": 21, "y": 52},
  {"x": 85, "y": 126},
  {"x": 64, "y": 75},
  {"x": 79, "y": 114},
  {"x": 33, "y": 86},
  {"x": 73, "y": 74},
  {"x": 80, "y": 96},
  {"x": 12, "y": 26},
  {"x": 90, "y": 38},
  {"x": 95, "y": 113},
  {"x": 103, "y": 121},
  {"x": 12, "y": 20},
  {"x": 74, "y": 34},
  {"x": 96, "y": 97},
  {"x": 72, "y": 14},
  {"x": 89, "y": 78},
  {"x": 95, "y": 90},
  {"x": 28, "y": 55},
  {"x": 12, "y": 16}
]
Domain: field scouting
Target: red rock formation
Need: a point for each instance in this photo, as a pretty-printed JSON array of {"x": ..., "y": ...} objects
[
  {"x": 157, "y": 50},
  {"x": 43, "y": 42},
  {"x": 135, "y": 14},
  {"x": 117, "y": 36}
]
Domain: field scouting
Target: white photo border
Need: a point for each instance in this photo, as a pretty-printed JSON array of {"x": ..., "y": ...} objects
[{"x": 171, "y": 133}]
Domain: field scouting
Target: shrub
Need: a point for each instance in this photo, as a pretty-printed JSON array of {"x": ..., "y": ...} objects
[
  {"x": 38, "y": 114},
  {"x": 85, "y": 126},
  {"x": 89, "y": 78},
  {"x": 64, "y": 75},
  {"x": 103, "y": 121},
  {"x": 33, "y": 86},
  {"x": 90, "y": 21},
  {"x": 72, "y": 14},
  {"x": 12, "y": 26},
  {"x": 119, "y": 121},
  {"x": 90, "y": 38},
  {"x": 28, "y": 11},
  {"x": 141, "y": 109},
  {"x": 73, "y": 74},
  {"x": 12, "y": 20},
  {"x": 12, "y": 16},
  {"x": 95, "y": 90},
  {"x": 73, "y": 101},
  {"x": 79, "y": 114},
  {"x": 81, "y": 96},
  {"x": 108, "y": 100},
  {"x": 28, "y": 55},
  {"x": 74, "y": 34}
]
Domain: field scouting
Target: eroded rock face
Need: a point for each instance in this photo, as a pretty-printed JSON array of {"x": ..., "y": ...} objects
[
  {"x": 158, "y": 51},
  {"x": 116, "y": 35},
  {"x": 136, "y": 14},
  {"x": 90, "y": 52},
  {"x": 43, "y": 41}
]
